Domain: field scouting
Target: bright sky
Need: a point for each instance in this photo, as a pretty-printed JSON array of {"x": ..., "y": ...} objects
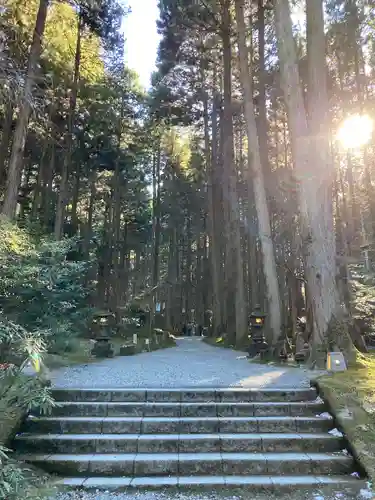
[{"x": 141, "y": 37}]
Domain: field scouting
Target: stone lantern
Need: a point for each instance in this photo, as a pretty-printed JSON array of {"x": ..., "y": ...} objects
[
  {"x": 103, "y": 323},
  {"x": 258, "y": 343}
]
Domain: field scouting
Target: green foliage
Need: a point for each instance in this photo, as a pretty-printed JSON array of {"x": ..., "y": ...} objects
[
  {"x": 42, "y": 291},
  {"x": 19, "y": 482}
]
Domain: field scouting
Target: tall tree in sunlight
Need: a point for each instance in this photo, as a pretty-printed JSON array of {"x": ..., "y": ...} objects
[{"x": 314, "y": 171}]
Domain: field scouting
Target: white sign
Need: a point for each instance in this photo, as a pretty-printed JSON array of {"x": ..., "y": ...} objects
[
  {"x": 147, "y": 341},
  {"x": 135, "y": 338},
  {"x": 336, "y": 362}
]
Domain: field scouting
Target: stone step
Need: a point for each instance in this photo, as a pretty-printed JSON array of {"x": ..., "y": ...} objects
[
  {"x": 145, "y": 409},
  {"x": 192, "y": 464},
  {"x": 253, "y": 484},
  {"x": 172, "y": 443},
  {"x": 176, "y": 425},
  {"x": 231, "y": 394}
]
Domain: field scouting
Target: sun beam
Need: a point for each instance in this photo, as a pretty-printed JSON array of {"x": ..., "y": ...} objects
[{"x": 355, "y": 131}]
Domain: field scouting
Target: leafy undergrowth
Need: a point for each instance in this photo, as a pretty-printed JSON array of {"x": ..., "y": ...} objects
[
  {"x": 20, "y": 480},
  {"x": 351, "y": 396}
]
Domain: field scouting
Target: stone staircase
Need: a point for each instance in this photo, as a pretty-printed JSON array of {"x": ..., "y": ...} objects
[{"x": 209, "y": 438}]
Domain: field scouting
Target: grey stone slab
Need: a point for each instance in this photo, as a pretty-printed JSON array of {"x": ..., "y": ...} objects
[
  {"x": 124, "y": 409},
  {"x": 189, "y": 443},
  {"x": 288, "y": 463},
  {"x": 30, "y": 444},
  {"x": 152, "y": 464},
  {"x": 330, "y": 463},
  {"x": 273, "y": 443},
  {"x": 86, "y": 394},
  {"x": 321, "y": 443},
  {"x": 234, "y": 395},
  {"x": 271, "y": 409},
  {"x": 304, "y": 409},
  {"x": 276, "y": 424},
  {"x": 301, "y": 394},
  {"x": 161, "y": 409},
  {"x": 237, "y": 425},
  {"x": 235, "y": 410},
  {"x": 120, "y": 443},
  {"x": 244, "y": 463},
  {"x": 240, "y": 443},
  {"x": 123, "y": 395},
  {"x": 208, "y": 481},
  {"x": 252, "y": 482},
  {"x": 33, "y": 457},
  {"x": 89, "y": 425},
  {"x": 122, "y": 425},
  {"x": 158, "y": 443},
  {"x": 274, "y": 395},
  {"x": 161, "y": 425},
  {"x": 198, "y": 410},
  {"x": 290, "y": 483},
  {"x": 313, "y": 424},
  {"x": 73, "y": 482},
  {"x": 67, "y": 464},
  {"x": 80, "y": 409},
  {"x": 200, "y": 464},
  {"x": 158, "y": 395},
  {"x": 208, "y": 425},
  {"x": 107, "y": 483},
  {"x": 75, "y": 446},
  {"x": 198, "y": 395},
  {"x": 74, "y": 425},
  {"x": 342, "y": 481},
  {"x": 121, "y": 464},
  {"x": 154, "y": 482}
]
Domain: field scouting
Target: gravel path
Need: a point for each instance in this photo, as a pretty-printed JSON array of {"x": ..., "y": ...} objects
[{"x": 192, "y": 363}]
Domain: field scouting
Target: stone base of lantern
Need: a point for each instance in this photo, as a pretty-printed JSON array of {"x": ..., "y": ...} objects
[{"x": 103, "y": 349}]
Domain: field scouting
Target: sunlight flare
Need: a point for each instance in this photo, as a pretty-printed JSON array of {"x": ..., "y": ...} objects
[{"x": 355, "y": 131}]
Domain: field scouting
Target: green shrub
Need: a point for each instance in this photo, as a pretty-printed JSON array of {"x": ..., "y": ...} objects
[
  {"x": 19, "y": 481},
  {"x": 41, "y": 289}
]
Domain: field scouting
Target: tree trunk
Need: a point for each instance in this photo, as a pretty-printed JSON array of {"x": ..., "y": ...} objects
[
  {"x": 233, "y": 261},
  {"x": 269, "y": 262},
  {"x": 5, "y": 140},
  {"x": 63, "y": 192},
  {"x": 314, "y": 170},
  {"x": 19, "y": 139},
  {"x": 213, "y": 243}
]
